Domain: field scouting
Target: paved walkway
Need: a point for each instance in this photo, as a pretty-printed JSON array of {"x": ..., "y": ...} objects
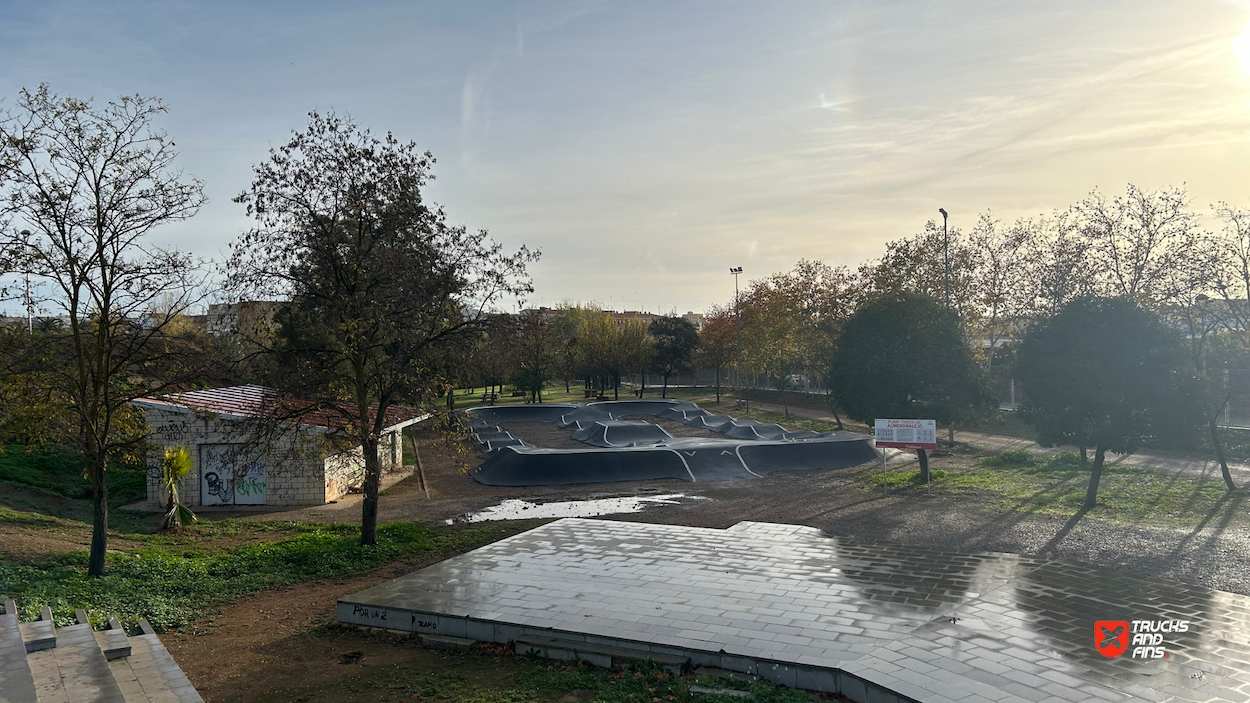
[{"x": 808, "y": 610}]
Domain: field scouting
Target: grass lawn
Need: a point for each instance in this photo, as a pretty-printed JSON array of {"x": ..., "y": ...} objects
[
  {"x": 1019, "y": 481},
  {"x": 173, "y": 579}
]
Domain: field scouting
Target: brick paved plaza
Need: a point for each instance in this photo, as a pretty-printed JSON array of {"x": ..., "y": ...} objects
[{"x": 876, "y": 622}]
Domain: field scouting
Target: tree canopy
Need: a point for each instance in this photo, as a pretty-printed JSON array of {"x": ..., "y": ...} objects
[
  {"x": 1107, "y": 373},
  {"x": 81, "y": 188},
  {"x": 675, "y": 342},
  {"x": 901, "y": 355},
  {"x": 377, "y": 278}
]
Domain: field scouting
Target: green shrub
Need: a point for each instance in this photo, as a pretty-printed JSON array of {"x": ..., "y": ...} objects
[{"x": 1009, "y": 460}]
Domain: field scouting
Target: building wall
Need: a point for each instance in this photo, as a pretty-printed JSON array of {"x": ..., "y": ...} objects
[
  {"x": 294, "y": 471},
  {"x": 345, "y": 472},
  {"x": 298, "y": 472}
]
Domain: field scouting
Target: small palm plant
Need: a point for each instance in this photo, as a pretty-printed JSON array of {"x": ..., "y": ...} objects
[{"x": 176, "y": 464}]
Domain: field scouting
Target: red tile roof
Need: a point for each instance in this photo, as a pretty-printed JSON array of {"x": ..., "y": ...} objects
[{"x": 255, "y": 401}]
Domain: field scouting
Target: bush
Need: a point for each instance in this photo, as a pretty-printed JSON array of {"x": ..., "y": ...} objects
[{"x": 1009, "y": 460}]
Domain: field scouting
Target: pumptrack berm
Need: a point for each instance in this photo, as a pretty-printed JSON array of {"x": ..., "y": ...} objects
[{"x": 635, "y": 450}]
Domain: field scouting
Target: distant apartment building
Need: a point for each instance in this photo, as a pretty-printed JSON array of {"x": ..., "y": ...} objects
[
  {"x": 227, "y": 318},
  {"x": 548, "y": 314}
]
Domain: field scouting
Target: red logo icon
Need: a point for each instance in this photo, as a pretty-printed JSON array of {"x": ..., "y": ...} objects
[{"x": 1111, "y": 637}]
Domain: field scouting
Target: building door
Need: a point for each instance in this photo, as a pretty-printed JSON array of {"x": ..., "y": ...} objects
[{"x": 230, "y": 475}]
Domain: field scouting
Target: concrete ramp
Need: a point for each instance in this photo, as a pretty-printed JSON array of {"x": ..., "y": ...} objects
[
  {"x": 530, "y": 466},
  {"x": 686, "y": 458}
]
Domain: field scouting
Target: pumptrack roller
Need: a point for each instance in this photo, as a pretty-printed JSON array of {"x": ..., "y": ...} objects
[{"x": 636, "y": 450}]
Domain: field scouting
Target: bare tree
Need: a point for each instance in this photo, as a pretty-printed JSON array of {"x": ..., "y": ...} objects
[
  {"x": 1060, "y": 269},
  {"x": 1001, "y": 291},
  {"x": 89, "y": 184},
  {"x": 1143, "y": 243}
]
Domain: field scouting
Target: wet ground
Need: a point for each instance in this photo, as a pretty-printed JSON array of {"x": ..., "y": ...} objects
[
  {"x": 1214, "y": 551},
  {"x": 802, "y": 608},
  {"x": 514, "y": 509}
]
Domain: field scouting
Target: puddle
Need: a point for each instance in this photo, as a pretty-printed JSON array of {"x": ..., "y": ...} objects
[{"x": 525, "y": 510}]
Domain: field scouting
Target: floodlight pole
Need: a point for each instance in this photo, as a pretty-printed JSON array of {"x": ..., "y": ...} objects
[
  {"x": 946, "y": 256},
  {"x": 734, "y": 271}
]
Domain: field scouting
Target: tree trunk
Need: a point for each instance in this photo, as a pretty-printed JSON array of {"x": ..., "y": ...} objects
[
  {"x": 924, "y": 464},
  {"x": 1219, "y": 449},
  {"x": 664, "y": 392},
  {"x": 1091, "y": 495},
  {"x": 1084, "y": 458},
  {"x": 373, "y": 486},
  {"x": 833, "y": 407},
  {"x": 784, "y": 403},
  {"x": 718, "y": 385},
  {"x": 99, "y": 517},
  {"x": 416, "y": 453}
]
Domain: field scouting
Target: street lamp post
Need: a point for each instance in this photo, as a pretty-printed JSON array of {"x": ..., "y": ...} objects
[
  {"x": 946, "y": 256},
  {"x": 734, "y": 271},
  {"x": 30, "y": 303},
  {"x": 946, "y": 278}
]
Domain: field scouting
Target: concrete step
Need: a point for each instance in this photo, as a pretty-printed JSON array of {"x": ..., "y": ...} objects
[
  {"x": 17, "y": 684},
  {"x": 600, "y": 655},
  {"x": 113, "y": 641},
  {"x": 40, "y": 634},
  {"x": 447, "y": 642},
  {"x": 83, "y": 671},
  {"x": 150, "y": 666}
]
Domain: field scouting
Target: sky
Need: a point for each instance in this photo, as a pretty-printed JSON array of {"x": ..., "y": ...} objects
[{"x": 645, "y": 147}]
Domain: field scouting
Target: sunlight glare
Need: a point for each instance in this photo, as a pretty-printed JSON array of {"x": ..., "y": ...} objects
[{"x": 1241, "y": 47}]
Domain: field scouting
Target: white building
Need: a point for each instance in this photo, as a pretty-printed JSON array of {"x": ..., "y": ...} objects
[{"x": 300, "y": 468}]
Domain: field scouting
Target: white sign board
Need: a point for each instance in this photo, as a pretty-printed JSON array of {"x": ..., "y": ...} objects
[{"x": 907, "y": 434}]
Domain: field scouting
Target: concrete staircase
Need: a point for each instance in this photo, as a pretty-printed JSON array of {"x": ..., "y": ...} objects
[{"x": 43, "y": 663}]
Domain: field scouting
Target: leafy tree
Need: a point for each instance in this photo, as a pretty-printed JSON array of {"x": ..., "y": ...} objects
[
  {"x": 901, "y": 355},
  {"x": 717, "y": 341},
  {"x": 568, "y": 321},
  {"x": 1106, "y": 373},
  {"x": 81, "y": 188},
  {"x": 675, "y": 342},
  {"x": 1059, "y": 264},
  {"x": 537, "y": 354},
  {"x": 1001, "y": 291},
  {"x": 819, "y": 299},
  {"x": 916, "y": 264},
  {"x": 377, "y": 278}
]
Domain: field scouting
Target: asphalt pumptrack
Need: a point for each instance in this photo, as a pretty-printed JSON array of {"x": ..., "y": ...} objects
[{"x": 792, "y": 604}]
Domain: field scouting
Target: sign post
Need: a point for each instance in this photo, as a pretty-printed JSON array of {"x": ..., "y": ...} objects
[{"x": 920, "y": 435}]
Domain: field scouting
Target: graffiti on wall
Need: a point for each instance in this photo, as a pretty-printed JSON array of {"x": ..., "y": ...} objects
[{"x": 231, "y": 475}]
